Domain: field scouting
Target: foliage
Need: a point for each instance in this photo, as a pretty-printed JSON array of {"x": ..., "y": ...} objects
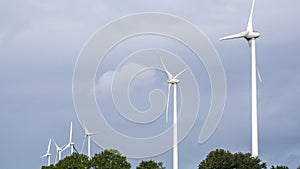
[
  {"x": 113, "y": 159},
  {"x": 109, "y": 159},
  {"x": 74, "y": 161},
  {"x": 151, "y": 164},
  {"x": 222, "y": 159},
  {"x": 279, "y": 167}
]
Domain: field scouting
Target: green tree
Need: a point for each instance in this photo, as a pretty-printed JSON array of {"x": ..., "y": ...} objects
[
  {"x": 279, "y": 167},
  {"x": 217, "y": 159},
  {"x": 244, "y": 160},
  {"x": 74, "y": 161},
  {"x": 109, "y": 159},
  {"x": 151, "y": 164},
  {"x": 221, "y": 159}
]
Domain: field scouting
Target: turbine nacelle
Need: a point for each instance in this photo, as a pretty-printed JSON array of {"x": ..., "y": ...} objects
[
  {"x": 87, "y": 132},
  {"x": 173, "y": 81},
  {"x": 252, "y": 35}
]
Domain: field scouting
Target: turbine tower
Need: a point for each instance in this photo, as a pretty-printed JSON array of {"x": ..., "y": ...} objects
[
  {"x": 71, "y": 143},
  {"x": 88, "y": 135},
  {"x": 58, "y": 151},
  {"x": 48, "y": 154},
  {"x": 173, "y": 80},
  {"x": 250, "y": 35}
]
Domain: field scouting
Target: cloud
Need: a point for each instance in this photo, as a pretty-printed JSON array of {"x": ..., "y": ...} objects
[
  {"x": 103, "y": 84},
  {"x": 121, "y": 77}
]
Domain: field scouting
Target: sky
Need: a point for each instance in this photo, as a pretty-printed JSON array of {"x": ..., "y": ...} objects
[{"x": 40, "y": 42}]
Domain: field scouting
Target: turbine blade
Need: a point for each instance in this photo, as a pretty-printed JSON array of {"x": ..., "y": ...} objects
[
  {"x": 169, "y": 75},
  {"x": 43, "y": 156},
  {"x": 168, "y": 100},
  {"x": 56, "y": 146},
  {"x": 92, "y": 133},
  {"x": 259, "y": 76},
  {"x": 63, "y": 146},
  {"x": 71, "y": 132},
  {"x": 250, "y": 21},
  {"x": 67, "y": 146},
  {"x": 49, "y": 144},
  {"x": 235, "y": 36},
  {"x": 176, "y": 76},
  {"x": 85, "y": 129},
  {"x": 83, "y": 144}
]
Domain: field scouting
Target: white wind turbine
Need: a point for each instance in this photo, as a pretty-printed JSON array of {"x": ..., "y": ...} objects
[
  {"x": 71, "y": 143},
  {"x": 250, "y": 35},
  {"x": 48, "y": 154},
  {"x": 58, "y": 151},
  {"x": 88, "y": 135},
  {"x": 173, "y": 80}
]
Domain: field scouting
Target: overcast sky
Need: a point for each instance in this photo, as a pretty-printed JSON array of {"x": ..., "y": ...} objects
[{"x": 40, "y": 42}]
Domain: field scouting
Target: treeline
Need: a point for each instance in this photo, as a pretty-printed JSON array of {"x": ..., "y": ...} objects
[
  {"x": 221, "y": 159},
  {"x": 107, "y": 159},
  {"x": 113, "y": 159}
]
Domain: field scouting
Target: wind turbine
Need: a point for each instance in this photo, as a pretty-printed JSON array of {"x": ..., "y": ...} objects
[
  {"x": 250, "y": 35},
  {"x": 48, "y": 154},
  {"x": 173, "y": 80},
  {"x": 58, "y": 151},
  {"x": 71, "y": 143},
  {"x": 88, "y": 135}
]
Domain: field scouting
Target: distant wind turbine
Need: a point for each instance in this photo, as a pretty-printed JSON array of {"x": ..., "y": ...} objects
[
  {"x": 250, "y": 35},
  {"x": 173, "y": 80},
  {"x": 48, "y": 154},
  {"x": 71, "y": 143},
  {"x": 58, "y": 151},
  {"x": 88, "y": 135}
]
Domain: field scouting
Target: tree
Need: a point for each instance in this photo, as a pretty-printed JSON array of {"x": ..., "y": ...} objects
[
  {"x": 74, "y": 161},
  {"x": 151, "y": 164},
  {"x": 215, "y": 159},
  {"x": 222, "y": 159},
  {"x": 279, "y": 167},
  {"x": 109, "y": 159},
  {"x": 244, "y": 160}
]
